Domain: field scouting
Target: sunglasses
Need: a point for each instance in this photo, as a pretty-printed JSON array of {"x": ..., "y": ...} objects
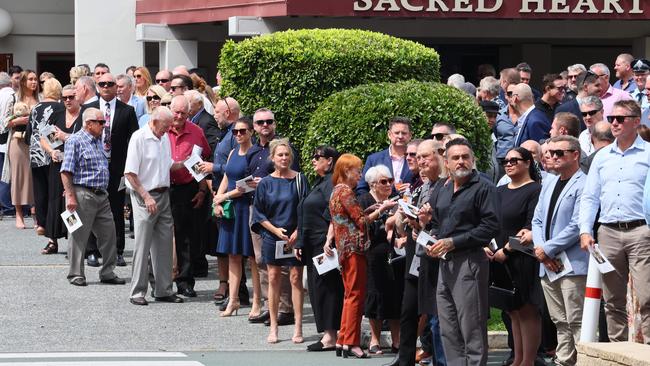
[
  {"x": 152, "y": 97},
  {"x": 68, "y": 97},
  {"x": 106, "y": 84},
  {"x": 386, "y": 181},
  {"x": 317, "y": 156},
  {"x": 512, "y": 161},
  {"x": 511, "y": 93},
  {"x": 174, "y": 87},
  {"x": 239, "y": 131},
  {"x": 439, "y": 136},
  {"x": 100, "y": 121},
  {"x": 619, "y": 119},
  {"x": 267, "y": 122},
  {"x": 559, "y": 153},
  {"x": 590, "y": 113},
  {"x": 137, "y": 76},
  {"x": 411, "y": 154},
  {"x": 166, "y": 104},
  {"x": 441, "y": 151},
  {"x": 162, "y": 81}
]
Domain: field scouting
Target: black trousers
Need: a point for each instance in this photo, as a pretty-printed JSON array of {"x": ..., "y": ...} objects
[
  {"x": 187, "y": 225},
  {"x": 408, "y": 323},
  {"x": 40, "y": 176},
  {"x": 116, "y": 200},
  {"x": 325, "y": 293}
]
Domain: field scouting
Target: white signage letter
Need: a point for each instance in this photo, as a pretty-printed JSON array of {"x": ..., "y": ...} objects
[
  {"x": 607, "y": 7},
  {"x": 559, "y": 6},
  {"x": 462, "y": 6},
  {"x": 480, "y": 8},
  {"x": 636, "y": 8},
  {"x": 441, "y": 4},
  {"x": 526, "y": 9},
  {"x": 582, "y": 3},
  {"x": 406, "y": 5},
  {"x": 391, "y": 3},
  {"x": 362, "y": 5}
]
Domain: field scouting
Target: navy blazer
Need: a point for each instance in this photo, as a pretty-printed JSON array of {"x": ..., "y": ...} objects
[
  {"x": 535, "y": 127},
  {"x": 573, "y": 108},
  {"x": 565, "y": 230},
  {"x": 381, "y": 158}
]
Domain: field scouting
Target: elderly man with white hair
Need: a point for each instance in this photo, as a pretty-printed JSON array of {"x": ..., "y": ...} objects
[
  {"x": 200, "y": 117},
  {"x": 609, "y": 95},
  {"x": 125, "y": 94}
]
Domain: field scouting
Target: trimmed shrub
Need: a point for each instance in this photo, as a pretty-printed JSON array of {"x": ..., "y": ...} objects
[
  {"x": 356, "y": 120},
  {"x": 291, "y": 72}
]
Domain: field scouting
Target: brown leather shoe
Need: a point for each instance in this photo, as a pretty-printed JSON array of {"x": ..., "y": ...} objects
[{"x": 138, "y": 301}]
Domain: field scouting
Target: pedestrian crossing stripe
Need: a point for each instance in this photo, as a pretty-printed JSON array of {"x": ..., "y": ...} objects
[
  {"x": 96, "y": 359},
  {"x": 94, "y": 355}
]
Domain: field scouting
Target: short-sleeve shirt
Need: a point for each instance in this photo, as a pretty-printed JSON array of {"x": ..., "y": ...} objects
[
  {"x": 181, "y": 144},
  {"x": 150, "y": 158},
  {"x": 84, "y": 158}
]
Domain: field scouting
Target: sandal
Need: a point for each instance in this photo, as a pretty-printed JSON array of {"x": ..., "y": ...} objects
[
  {"x": 375, "y": 350},
  {"x": 50, "y": 248},
  {"x": 220, "y": 297}
]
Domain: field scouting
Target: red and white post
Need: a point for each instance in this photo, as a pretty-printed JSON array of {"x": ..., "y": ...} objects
[{"x": 591, "y": 310}]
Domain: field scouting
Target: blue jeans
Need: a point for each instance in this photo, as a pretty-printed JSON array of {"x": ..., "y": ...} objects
[
  {"x": 438, "y": 351},
  {"x": 5, "y": 192}
]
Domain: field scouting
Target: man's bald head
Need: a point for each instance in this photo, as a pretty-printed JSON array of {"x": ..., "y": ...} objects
[
  {"x": 523, "y": 92},
  {"x": 534, "y": 147},
  {"x": 181, "y": 70},
  {"x": 602, "y": 134},
  {"x": 428, "y": 159}
]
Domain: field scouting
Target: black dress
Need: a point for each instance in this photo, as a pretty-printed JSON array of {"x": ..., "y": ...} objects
[
  {"x": 54, "y": 226},
  {"x": 384, "y": 296},
  {"x": 325, "y": 291},
  {"x": 517, "y": 210}
]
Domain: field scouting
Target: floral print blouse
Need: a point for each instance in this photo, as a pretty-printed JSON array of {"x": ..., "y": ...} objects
[{"x": 349, "y": 222}]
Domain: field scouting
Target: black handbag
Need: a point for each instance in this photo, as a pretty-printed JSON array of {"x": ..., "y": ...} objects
[{"x": 503, "y": 292}]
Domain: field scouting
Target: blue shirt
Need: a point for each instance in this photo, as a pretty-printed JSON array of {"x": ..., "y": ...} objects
[
  {"x": 221, "y": 152},
  {"x": 504, "y": 132},
  {"x": 84, "y": 158},
  {"x": 138, "y": 105},
  {"x": 641, "y": 98},
  {"x": 616, "y": 184},
  {"x": 646, "y": 199},
  {"x": 631, "y": 85}
]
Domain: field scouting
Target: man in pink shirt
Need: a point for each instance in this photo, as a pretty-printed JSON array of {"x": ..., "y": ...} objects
[{"x": 610, "y": 94}]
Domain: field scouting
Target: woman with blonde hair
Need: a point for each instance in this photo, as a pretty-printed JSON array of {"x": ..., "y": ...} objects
[
  {"x": 153, "y": 98},
  {"x": 142, "y": 81}
]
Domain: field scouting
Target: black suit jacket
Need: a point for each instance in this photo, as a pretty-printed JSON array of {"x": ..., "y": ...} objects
[
  {"x": 210, "y": 129},
  {"x": 124, "y": 124}
]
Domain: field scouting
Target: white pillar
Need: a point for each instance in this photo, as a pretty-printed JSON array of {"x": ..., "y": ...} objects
[
  {"x": 178, "y": 52},
  {"x": 591, "y": 310}
]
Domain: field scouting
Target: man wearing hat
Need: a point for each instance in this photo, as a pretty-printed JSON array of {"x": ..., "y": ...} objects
[
  {"x": 641, "y": 68},
  {"x": 503, "y": 137}
]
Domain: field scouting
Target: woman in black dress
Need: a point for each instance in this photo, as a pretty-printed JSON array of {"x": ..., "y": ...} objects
[
  {"x": 326, "y": 290},
  {"x": 65, "y": 123},
  {"x": 384, "y": 298},
  {"x": 518, "y": 200}
]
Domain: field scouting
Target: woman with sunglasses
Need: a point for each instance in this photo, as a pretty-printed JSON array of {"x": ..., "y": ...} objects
[
  {"x": 154, "y": 97},
  {"x": 383, "y": 298},
  {"x": 142, "y": 81},
  {"x": 234, "y": 233},
  {"x": 326, "y": 290},
  {"x": 518, "y": 200}
]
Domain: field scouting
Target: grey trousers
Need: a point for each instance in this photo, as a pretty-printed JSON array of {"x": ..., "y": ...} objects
[
  {"x": 94, "y": 211},
  {"x": 462, "y": 301},
  {"x": 153, "y": 236}
]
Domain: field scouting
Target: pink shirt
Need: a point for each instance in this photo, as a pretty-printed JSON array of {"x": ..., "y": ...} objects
[
  {"x": 398, "y": 165},
  {"x": 182, "y": 143},
  {"x": 611, "y": 96}
]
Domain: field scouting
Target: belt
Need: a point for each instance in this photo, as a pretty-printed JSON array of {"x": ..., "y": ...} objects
[
  {"x": 159, "y": 190},
  {"x": 628, "y": 225},
  {"x": 96, "y": 191}
]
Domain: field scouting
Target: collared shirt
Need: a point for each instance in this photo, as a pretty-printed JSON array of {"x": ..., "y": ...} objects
[
  {"x": 397, "y": 162},
  {"x": 585, "y": 142},
  {"x": 611, "y": 96},
  {"x": 504, "y": 132},
  {"x": 139, "y": 105},
  {"x": 84, "y": 158},
  {"x": 631, "y": 85},
  {"x": 195, "y": 118},
  {"x": 521, "y": 122},
  {"x": 7, "y": 99},
  {"x": 469, "y": 216},
  {"x": 150, "y": 158},
  {"x": 641, "y": 98},
  {"x": 615, "y": 184},
  {"x": 90, "y": 100},
  {"x": 259, "y": 164},
  {"x": 548, "y": 109},
  {"x": 182, "y": 143},
  {"x": 221, "y": 152}
]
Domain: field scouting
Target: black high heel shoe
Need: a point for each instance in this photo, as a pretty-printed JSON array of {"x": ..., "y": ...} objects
[
  {"x": 339, "y": 351},
  {"x": 349, "y": 353}
]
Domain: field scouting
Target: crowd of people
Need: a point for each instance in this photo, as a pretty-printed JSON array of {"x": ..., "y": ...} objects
[{"x": 425, "y": 242}]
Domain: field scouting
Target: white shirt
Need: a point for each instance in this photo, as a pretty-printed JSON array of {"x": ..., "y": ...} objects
[
  {"x": 6, "y": 110},
  {"x": 207, "y": 105},
  {"x": 150, "y": 158},
  {"x": 585, "y": 142}
]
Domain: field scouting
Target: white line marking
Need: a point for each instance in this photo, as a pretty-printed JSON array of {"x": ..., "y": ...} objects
[
  {"x": 104, "y": 363},
  {"x": 94, "y": 354}
]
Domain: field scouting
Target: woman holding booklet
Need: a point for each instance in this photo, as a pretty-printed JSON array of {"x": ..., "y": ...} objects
[
  {"x": 275, "y": 218},
  {"x": 234, "y": 232},
  {"x": 325, "y": 290}
]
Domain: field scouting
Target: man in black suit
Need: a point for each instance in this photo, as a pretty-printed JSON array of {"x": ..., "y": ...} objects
[
  {"x": 199, "y": 116},
  {"x": 121, "y": 122}
]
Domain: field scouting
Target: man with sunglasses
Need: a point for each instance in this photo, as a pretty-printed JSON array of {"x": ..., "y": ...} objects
[
  {"x": 609, "y": 95},
  {"x": 588, "y": 84},
  {"x": 591, "y": 108},
  {"x": 554, "y": 88},
  {"x": 121, "y": 122},
  {"x": 164, "y": 79},
  {"x": 615, "y": 184},
  {"x": 533, "y": 122},
  {"x": 572, "y": 81},
  {"x": 85, "y": 176},
  {"x": 555, "y": 230},
  {"x": 125, "y": 94}
]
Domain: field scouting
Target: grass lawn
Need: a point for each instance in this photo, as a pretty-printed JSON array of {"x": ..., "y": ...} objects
[{"x": 495, "y": 323}]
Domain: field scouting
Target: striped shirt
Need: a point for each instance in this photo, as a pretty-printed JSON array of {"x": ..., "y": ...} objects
[{"x": 84, "y": 158}]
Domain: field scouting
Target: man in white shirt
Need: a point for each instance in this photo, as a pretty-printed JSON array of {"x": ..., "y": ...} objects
[
  {"x": 148, "y": 163},
  {"x": 591, "y": 108}
]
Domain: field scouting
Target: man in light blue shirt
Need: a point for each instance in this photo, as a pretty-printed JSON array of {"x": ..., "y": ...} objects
[{"x": 616, "y": 183}]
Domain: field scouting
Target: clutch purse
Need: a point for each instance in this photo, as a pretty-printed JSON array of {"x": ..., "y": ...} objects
[{"x": 228, "y": 210}]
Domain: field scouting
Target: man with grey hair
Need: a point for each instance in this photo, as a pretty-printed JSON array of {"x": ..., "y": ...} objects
[
  {"x": 85, "y": 177},
  {"x": 533, "y": 122},
  {"x": 624, "y": 74},
  {"x": 200, "y": 117},
  {"x": 125, "y": 94},
  {"x": 456, "y": 80},
  {"x": 147, "y": 170},
  {"x": 85, "y": 90},
  {"x": 7, "y": 100},
  {"x": 572, "y": 81},
  {"x": 609, "y": 95},
  {"x": 591, "y": 108},
  {"x": 601, "y": 136},
  {"x": 489, "y": 90},
  {"x": 164, "y": 79}
]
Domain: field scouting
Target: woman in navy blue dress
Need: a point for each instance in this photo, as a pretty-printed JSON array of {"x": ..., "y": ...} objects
[
  {"x": 275, "y": 218},
  {"x": 234, "y": 233}
]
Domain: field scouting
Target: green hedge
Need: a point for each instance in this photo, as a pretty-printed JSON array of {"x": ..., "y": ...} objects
[
  {"x": 291, "y": 72},
  {"x": 356, "y": 120}
]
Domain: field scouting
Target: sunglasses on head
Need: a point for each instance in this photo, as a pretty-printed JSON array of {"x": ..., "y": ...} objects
[
  {"x": 386, "y": 181},
  {"x": 239, "y": 131},
  {"x": 162, "y": 81},
  {"x": 152, "y": 97},
  {"x": 590, "y": 113},
  {"x": 439, "y": 136},
  {"x": 106, "y": 84},
  {"x": 512, "y": 161},
  {"x": 261, "y": 122},
  {"x": 67, "y": 97},
  {"x": 560, "y": 152},
  {"x": 619, "y": 119}
]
